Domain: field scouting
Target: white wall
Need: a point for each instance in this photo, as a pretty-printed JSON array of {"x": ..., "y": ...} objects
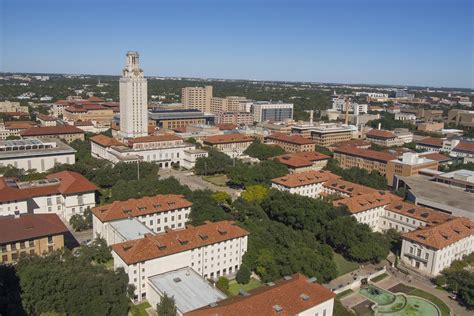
[
  {"x": 40, "y": 163},
  {"x": 323, "y": 309}
]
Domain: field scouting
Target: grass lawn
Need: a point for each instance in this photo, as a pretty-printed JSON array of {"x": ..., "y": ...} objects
[
  {"x": 344, "y": 266},
  {"x": 379, "y": 277},
  {"x": 140, "y": 309},
  {"x": 234, "y": 287},
  {"x": 219, "y": 180},
  {"x": 433, "y": 299},
  {"x": 344, "y": 294}
]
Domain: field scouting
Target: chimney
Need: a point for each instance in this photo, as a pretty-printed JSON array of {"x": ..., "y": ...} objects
[
  {"x": 311, "y": 113},
  {"x": 380, "y": 126}
]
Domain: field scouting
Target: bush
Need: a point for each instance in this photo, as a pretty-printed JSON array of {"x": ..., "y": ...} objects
[
  {"x": 223, "y": 284},
  {"x": 243, "y": 275}
]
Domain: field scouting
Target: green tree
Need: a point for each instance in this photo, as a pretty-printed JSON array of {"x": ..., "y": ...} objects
[
  {"x": 243, "y": 275},
  {"x": 262, "y": 151},
  {"x": 255, "y": 193},
  {"x": 223, "y": 284},
  {"x": 167, "y": 306},
  {"x": 222, "y": 197}
]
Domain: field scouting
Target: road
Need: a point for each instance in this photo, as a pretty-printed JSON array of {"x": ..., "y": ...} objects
[{"x": 195, "y": 182}]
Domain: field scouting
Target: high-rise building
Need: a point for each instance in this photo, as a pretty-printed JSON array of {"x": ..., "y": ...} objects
[
  {"x": 197, "y": 98},
  {"x": 264, "y": 111},
  {"x": 133, "y": 99}
]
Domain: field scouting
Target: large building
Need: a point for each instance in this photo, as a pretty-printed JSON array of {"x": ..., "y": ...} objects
[
  {"x": 180, "y": 119},
  {"x": 89, "y": 112},
  {"x": 325, "y": 134},
  {"x": 133, "y": 99},
  {"x": 272, "y": 112},
  {"x": 35, "y": 154},
  {"x": 303, "y": 161},
  {"x": 158, "y": 213},
  {"x": 389, "y": 139},
  {"x": 68, "y": 133},
  {"x": 30, "y": 235},
  {"x": 291, "y": 143},
  {"x": 410, "y": 164},
  {"x": 211, "y": 250},
  {"x": 232, "y": 145},
  {"x": 308, "y": 183},
  {"x": 293, "y": 295},
  {"x": 7, "y": 106},
  {"x": 339, "y": 104},
  {"x": 64, "y": 193},
  {"x": 370, "y": 160},
  {"x": 227, "y": 104},
  {"x": 198, "y": 98},
  {"x": 461, "y": 117}
]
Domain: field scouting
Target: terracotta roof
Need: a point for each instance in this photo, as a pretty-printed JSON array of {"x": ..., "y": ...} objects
[
  {"x": 154, "y": 138},
  {"x": 365, "y": 202},
  {"x": 20, "y": 124},
  {"x": 140, "y": 207},
  {"x": 300, "y": 159},
  {"x": 465, "y": 147},
  {"x": 435, "y": 156},
  {"x": 85, "y": 107},
  {"x": 365, "y": 153},
  {"x": 442, "y": 235},
  {"x": 353, "y": 143},
  {"x": 44, "y": 117},
  {"x": 424, "y": 214},
  {"x": 305, "y": 178},
  {"x": 52, "y": 130},
  {"x": 70, "y": 182},
  {"x": 63, "y": 102},
  {"x": 292, "y": 295},
  {"x": 83, "y": 123},
  {"x": 376, "y": 133},
  {"x": 30, "y": 226},
  {"x": 95, "y": 99},
  {"x": 226, "y": 126},
  {"x": 175, "y": 241},
  {"x": 347, "y": 187},
  {"x": 430, "y": 141},
  {"x": 227, "y": 138},
  {"x": 293, "y": 139},
  {"x": 16, "y": 113},
  {"x": 105, "y": 141}
]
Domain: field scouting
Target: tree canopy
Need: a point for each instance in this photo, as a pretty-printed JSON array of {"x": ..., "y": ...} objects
[{"x": 262, "y": 151}]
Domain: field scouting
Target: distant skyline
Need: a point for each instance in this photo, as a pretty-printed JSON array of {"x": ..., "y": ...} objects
[{"x": 415, "y": 43}]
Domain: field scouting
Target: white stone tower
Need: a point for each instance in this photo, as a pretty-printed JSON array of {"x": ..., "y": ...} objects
[{"x": 133, "y": 99}]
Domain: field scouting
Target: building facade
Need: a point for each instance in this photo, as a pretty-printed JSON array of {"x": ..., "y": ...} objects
[
  {"x": 198, "y": 98},
  {"x": 232, "y": 145},
  {"x": 272, "y": 112},
  {"x": 370, "y": 160},
  {"x": 291, "y": 143},
  {"x": 66, "y": 132}
]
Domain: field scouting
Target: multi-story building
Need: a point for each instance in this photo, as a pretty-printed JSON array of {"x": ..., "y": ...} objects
[
  {"x": 455, "y": 147},
  {"x": 197, "y": 98},
  {"x": 35, "y": 154},
  {"x": 68, "y": 133},
  {"x": 405, "y": 117},
  {"x": 232, "y": 145},
  {"x": 191, "y": 156},
  {"x": 308, "y": 183},
  {"x": 227, "y": 104},
  {"x": 165, "y": 149},
  {"x": 30, "y": 235},
  {"x": 158, "y": 213},
  {"x": 272, "y": 112},
  {"x": 339, "y": 104},
  {"x": 176, "y": 119},
  {"x": 461, "y": 117},
  {"x": 293, "y": 295},
  {"x": 238, "y": 118},
  {"x": 383, "y": 138},
  {"x": 409, "y": 165},
  {"x": 303, "y": 161},
  {"x": 15, "y": 128},
  {"x": 8, "y": 106},
  {"x": 64, "y": 193},
  {"x": 330, "y": 134},
  {"x": 343, "y": 188},
  {"x": 212, "y": 250},
  {"x": 133, "y": 99},
  {"x": 370, "y": 160},
  {"x": 430, "y": 126},
  {"x": 89, "y": 112},
  {"x": 433, "y": 248},
  {"x": 292, "y": 143},
  {"x": 46, "y": 120}
]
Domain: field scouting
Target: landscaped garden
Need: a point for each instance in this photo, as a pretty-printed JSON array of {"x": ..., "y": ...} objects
[{"x": 235, "y": 287}]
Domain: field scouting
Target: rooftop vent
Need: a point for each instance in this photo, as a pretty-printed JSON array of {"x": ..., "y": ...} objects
[
  {"x": 177, "y": 280},
  {"x": 304, "y": 297},
  {"x": 277, "y": 308},
  {"x": 312, "y": 280},
  {"x": 243, "y": 292},
  {"x": 203, "y": 236},
  {"x": 412, "y": 211},
  {"x": 399, "y": 206},
  {"x": 222, "y": 231},
  {"x": 213, "y": 304},
  {"x": 424, "y": 215},
  {"x": 270, "y": 283},
  {"x": 157, "y": 205},
  {"x": 287, "y": 277}
]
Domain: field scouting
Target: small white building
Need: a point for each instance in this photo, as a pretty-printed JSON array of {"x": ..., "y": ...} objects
[
  {"x": 433, "y": 248},
  {"x": 158, "y": 213},
  {"x": 405, "y": 117},
  {"x": 309, "y": 183},
  {"x": 64, "y": 193},
  {"x": 212, "y": 250},
  {"x": 191, "y": 156},
  {"x": 35, "y": 154}
]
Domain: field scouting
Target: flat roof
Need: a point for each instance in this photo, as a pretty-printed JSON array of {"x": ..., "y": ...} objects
[
  {"x": 131, "y": 228},
  {"x": 189, "y": 289},
  {"x": 60, "y": 149},
  {"x": 439, "y": 193}
]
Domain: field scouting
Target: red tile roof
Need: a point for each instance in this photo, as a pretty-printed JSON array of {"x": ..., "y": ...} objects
[
  {"x": 140, "y": 207},
  {"x": 305, "y": 178},
  {"x": 20, "y": 124},
  {"x": 105, "y": 141},
  {"x": 83, "y": 123},
  {"x": 44, "y": 117},
  {"x": 176, "y": 241},
  {"x": 293, "y": 139},
  {"x": 376, "y": 133},
  {"x": 85, "y": 108},
  {"x": 360, "y": 203},
  {"x": 30, "y": 226},
  {"x": 293, "y": 296},
  {"x": 424, "y": 214},
  {"x": 227, "y": 139},
  {"x": 347, "y": 187},
  {"x": 353, "y": 143},
  {"x": 430, "y": 141},
  {"x": 435, "y": 156},
  {"x": 442, "y": 235},
  {"x": 95, "y": 99},
  {"x": 226, "y": 126},
  {"x": 365, "y": 153},
  {"x": 70, "y": 183},
  {"x": 51, "y": 130},
  {"x": 465, "y": 147},
  {"x": 300, "y": 159}
]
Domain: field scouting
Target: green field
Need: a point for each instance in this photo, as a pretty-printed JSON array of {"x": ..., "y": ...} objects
[
  {"x": 219, "y": 180},
  {"x": 344, "y": 266},
  {"x": 234, "y": 287},
  {"x": 140, "y": 309}
]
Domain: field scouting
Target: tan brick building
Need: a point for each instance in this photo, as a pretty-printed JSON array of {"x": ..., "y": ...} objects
[
  {"x": 32, "y": 234},
  {"x": 197, "y": 98},
  {"x": 409, "y": 165},
  {"x": 292, "y": 143},
  {"x": 370, "y": 160},
  {"x": 67, "y": 132}
]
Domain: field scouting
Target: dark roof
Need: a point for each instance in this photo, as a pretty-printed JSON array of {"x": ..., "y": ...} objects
[{"x": 30, "y": 226}]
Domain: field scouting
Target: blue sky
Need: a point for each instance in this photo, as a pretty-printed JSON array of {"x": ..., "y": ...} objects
[{"x": 417, "y": 42}]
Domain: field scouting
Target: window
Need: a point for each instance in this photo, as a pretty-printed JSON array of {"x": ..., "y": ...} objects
[
  {"x": 32, "y": 252},
  {"x": 427, "y": 255},
  {"x": 3, "y": 248},
  {"x": 4, "y": 258},
  {"x": 50, "y": 249},
  {"x": 50, "y": 239}
]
